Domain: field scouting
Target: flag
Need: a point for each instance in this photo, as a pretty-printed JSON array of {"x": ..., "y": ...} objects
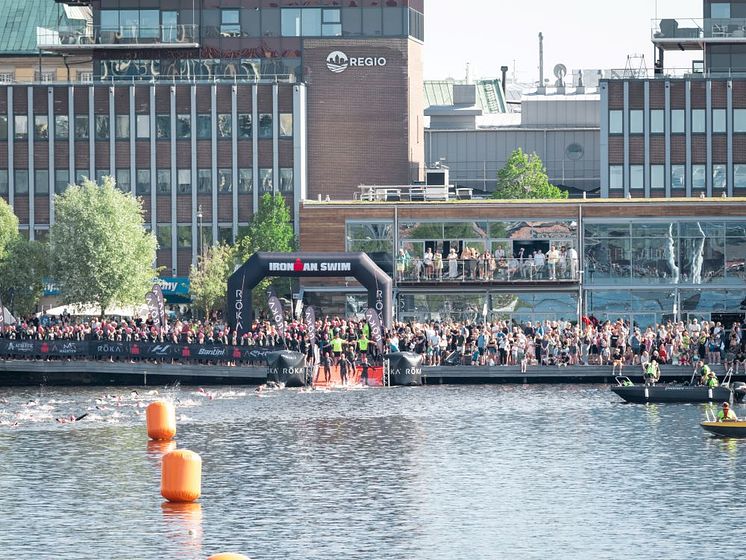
[
  {"x": 158, "y": 291},
  {"x": 151, "y": 298},
  {"x": 2, "y": 314},
  {"x": 376, "y": 332},
  {"x": 278, "y": 315},
  {"x": 310, "y": 316}
]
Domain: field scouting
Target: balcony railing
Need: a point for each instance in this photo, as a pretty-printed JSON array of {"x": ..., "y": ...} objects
[
  {"x": 97, "y": 37},
  {"x": 482, "y": 271},
  {"x": 695, "y": 29}
]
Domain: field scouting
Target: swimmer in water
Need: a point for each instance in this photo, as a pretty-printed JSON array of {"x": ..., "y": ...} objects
[{"x": 71, "y": 419}]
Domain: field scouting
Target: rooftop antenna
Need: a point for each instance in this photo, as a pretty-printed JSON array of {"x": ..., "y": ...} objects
[
  {"x": 468, "y": 77},
  {"x": 541, "y": 63},
  {"x": 636, "y": 66}
]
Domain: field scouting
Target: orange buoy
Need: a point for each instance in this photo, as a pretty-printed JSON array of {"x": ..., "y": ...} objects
[
  {"x": 228, "y": 556},
  {"x": 181, "y": 476},
  {"x": 160, "y": 418}
]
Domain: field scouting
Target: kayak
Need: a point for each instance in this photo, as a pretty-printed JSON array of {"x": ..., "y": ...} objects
[
  {"x": 672, "y": 393},
  {"x": 726, "y": 429}
]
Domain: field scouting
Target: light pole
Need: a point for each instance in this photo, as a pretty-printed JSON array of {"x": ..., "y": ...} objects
[{"x": 199, "y": 222}]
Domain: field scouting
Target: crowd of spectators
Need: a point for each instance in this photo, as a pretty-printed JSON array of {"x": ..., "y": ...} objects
[{"x": 499, "y": 343}]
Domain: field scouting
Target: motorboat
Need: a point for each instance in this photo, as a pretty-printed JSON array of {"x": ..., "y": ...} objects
[
  {"x": 725, "y": 429},
  {"x": 679, "y": 392}
]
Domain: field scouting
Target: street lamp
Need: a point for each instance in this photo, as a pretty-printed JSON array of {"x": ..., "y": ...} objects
[{"x": 199, "y": 222}]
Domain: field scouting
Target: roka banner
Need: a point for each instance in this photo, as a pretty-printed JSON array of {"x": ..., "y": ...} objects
[
  {"x": 310, "y": 318},
  {"x": 158, "y": 291},
  {"x": 151, "y": 298},
  {"x": 278, "y": 314},
  {"x": 376, "y": 331}
]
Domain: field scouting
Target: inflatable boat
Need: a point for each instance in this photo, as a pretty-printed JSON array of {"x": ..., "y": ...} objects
[
  {"x": 679, "y": 393},
  {"x": 726, "y": 429}
]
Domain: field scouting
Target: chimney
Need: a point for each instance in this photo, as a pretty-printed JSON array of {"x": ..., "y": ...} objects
[{"x": 504, "y": 70}]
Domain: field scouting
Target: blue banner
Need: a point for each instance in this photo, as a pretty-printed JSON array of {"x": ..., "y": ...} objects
[{"x": 174, "y": 285}]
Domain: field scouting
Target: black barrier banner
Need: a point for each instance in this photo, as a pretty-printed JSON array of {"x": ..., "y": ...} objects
[
  {"x": 152, "y": 300},
  {"x": 376, "y": 332},
  {"x": 18, "y": 347},
  {"x": 278, "y": 315},
  {"x": 63, "y": 348},
  {"x": 105, "y": 348},
  {"x": 310, "y": 317}
]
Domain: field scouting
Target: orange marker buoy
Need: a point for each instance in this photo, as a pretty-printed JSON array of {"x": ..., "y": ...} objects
[
  {"x": 181, "y": 476},
  {"x": 228, "y": 556},
  {"x": 160, "y": 418}
]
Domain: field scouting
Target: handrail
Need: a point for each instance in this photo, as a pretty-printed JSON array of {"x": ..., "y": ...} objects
[{"x": 490, "y": 269}]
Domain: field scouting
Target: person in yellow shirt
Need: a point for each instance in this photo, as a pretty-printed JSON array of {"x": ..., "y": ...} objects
[{"x": 726, "y": 414}]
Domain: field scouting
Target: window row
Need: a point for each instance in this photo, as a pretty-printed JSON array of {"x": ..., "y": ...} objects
[
  {"x": 678, "y": 176},
  {"x": 678, "y": 125},
  {"x": 162, "y": 184},
  {"x": 164, "y": 235},
  {"x": 234, "y": 69},
  {"x": 102, "y": 127}
]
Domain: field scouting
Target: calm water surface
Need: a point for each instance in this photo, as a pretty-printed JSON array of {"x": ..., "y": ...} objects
[{"x": 420, "y": 473}]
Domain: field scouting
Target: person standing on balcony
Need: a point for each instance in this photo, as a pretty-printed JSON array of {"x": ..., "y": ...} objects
[
  {"x": 552, "y": 260},
  {"x": 438, "y": 265},
  {"x": 427, "y": 261},
  {"x": 572, "y": 257},
  {"x": 452, "y": 264},
  {"x": 539, "y": 261}
]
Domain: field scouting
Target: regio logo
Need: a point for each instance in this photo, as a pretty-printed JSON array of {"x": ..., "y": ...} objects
[{"x": 337, "y": 62}]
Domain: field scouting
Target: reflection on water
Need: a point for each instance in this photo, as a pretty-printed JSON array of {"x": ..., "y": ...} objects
[{"x": 421, "y": 473}]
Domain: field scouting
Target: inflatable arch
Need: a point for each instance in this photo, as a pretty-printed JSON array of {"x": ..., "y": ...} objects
[{"x": 240, "y": 311}]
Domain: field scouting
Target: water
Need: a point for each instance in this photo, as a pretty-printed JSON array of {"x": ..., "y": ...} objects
[{"x": 420, "y": 473}]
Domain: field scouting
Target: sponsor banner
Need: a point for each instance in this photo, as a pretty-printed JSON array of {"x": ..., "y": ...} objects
[
  {"x": 105, "y": 348},
  {"x": 277, "y": 312},
  {"x": 310, "y": 318},
  {"x": 18, "y": 348},
  {"x": 152, "y": 300},
  {"x": 376, "y": 332},
  {"x": 2, "y": 314},
  {"x": 63, "y": 348},
  {"x": 174, "y": 285},
  {"x": 161, "y": 304}
]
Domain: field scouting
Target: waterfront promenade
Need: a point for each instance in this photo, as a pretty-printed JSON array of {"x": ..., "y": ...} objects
[{"x": 97, "y": 373}]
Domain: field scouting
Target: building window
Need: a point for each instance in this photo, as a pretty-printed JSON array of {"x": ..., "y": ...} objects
[
  {"x": 265, "y": 179},
  {"x": 204, "y": 127},
  {"x": 635, "y": 122},
  {"x": 123, "y": 180},
  {"x": 677, "y": 177},
  {"x": 698, "y": 121},
  {"x": 739, "y": 120},
  {"x": 677, "y": 121},
  {"x": 122, "y": 127},
  {"x": 311, "y": 22},
  {"x": 7, "y": 77},
  {"x": 636, "y": 177},
  {"x": 286, "y": 125},
  {"x": 616, "y": 177},
  {"x": 142, "y": 123},
  {"x": 81, "y": 127},
  {"x": 61, "y": 127},
  {"x": 616, "y": 122},
  {"x": 4, "y": 189},
  {"x": 41, "y": 181},
  {"x": 331, "y": 22},
  {"x": 163, "y": 181},
  {"x": 183, "y": 127},
  {"x": 21, "y": 181},
  {"x": 170, "y": 27},
  {"x": 224, "y": 126},
  {"x": 143, "y": 181},
  {"x": 45, "y": 76},
  {"x": 163, "y": 234},
  {"x": 184, "y": 181},
  {"x": 719, "y": 177},
  {"x": 657, "y": 121},
  {"x": 719, "y": 120},
  {"x": 3, "y": 128},
  {"x": 286, "y": 179},
  {"x": 230, "y": 23},
  {"x": 657, "y": 177},
  {"x": 41, "y": 127},
  {"x": 102, "y": 127},
  {"x": 204, "y": 181},
  {"x": 720, "y": 10},
  {"x": 184, "y": 237},
  {"x": 225, "y": 234},
  {"x": 85, "y": 77},
  {"x": 245, "y": 180},
  {"x": 372, "y": 25},
  {"x": 20, "y": 127},
  {"x": 81, "y": 175},
  {"x": 100, "y": 174},
  {"x": 265, "y": 125},
  {"x": 163, "y": 127},
  {"x": 244, "y": 126},
  {"x": 739, "y": 176},
  {"x": 699, "y": 174},
  {"x": 61, "y": 180},
  {"x": 225, "y": 181}
]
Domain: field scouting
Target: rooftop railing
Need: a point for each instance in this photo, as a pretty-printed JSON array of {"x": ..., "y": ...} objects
[
  {"x": 123, "y": 37},
  {"x": 471, "y": 271},
  {"x": 671, "y": 73},
  {"x": 695, "y": 29}
]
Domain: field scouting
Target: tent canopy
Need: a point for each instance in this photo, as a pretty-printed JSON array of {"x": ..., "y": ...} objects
[{"x": 95, "y": 311}]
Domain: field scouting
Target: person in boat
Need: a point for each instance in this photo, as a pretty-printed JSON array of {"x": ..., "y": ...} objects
[
  {"x": 712, "y": 380},
  {"x": 726, "y": 414},
  {"x": 652, "y": 372},
  {"x": 704, "y": 373}
]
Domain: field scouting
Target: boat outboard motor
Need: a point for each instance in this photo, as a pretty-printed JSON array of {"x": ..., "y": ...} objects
[
  {"x": 739, "y": 390},
  {"x": 288, "y": 368},
  {"x": 405, "y": 368}
]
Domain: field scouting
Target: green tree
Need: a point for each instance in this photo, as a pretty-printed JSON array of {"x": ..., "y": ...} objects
[
  {"x": 524, "y": 177},
  {"x": 271, "y": 230},
  {"x": 22, "y": 274},
  {"x": 101, "y": 252},
  {"x": 209, "y": 279},
  {"x": 8, "y": 226}
]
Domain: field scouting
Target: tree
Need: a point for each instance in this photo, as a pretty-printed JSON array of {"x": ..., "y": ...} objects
[
  {"x": 22, "y": 274},
  {"x": 8, "y": 226},
  {"x": 524, "y": 177},
  {"x": 209, "y": 279},
  {"x": 271, "y": 230},
  {"x": 102, "y": 253}
]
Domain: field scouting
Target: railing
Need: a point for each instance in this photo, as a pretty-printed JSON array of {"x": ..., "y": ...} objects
[
  {"x": 669, "y": 73},
  {"x": 412, "y": 193},
  {"x": 488, "y": 270},
  {"x": 86, "y": 37},
  {"x": 698, "y": 28}
]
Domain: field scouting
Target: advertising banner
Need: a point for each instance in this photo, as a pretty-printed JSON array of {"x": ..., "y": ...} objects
[
  {"x": 376, "y": 332},
  {"x": 152, "y": 300},
  {"x": 310, "y": 318},
  {"x": 277, "y": 312}
]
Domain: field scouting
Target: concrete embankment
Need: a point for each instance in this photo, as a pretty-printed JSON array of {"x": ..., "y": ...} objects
[{"x": 27, "y": 372}]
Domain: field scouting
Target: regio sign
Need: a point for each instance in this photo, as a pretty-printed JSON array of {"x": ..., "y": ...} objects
[{"x": 338, "y": 61}]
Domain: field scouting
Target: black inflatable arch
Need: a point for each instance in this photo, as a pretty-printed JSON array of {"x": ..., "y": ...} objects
[{"x": 240, "y": 312}]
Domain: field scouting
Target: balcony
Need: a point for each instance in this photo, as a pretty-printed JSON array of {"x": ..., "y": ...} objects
[
  {"x": 86, "y": 38},
  {"x": 693, "y": 33}
]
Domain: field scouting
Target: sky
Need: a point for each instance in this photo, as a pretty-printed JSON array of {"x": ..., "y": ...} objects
[{"x": 581, "y": 34}]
